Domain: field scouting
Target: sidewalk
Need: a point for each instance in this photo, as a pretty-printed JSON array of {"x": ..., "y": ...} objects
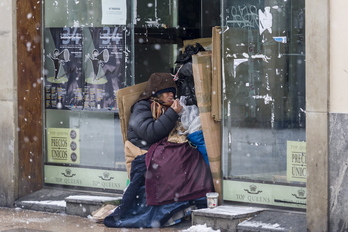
[
  {"x": 53, "y": 210},
  {"x": 19, "y": 220}
]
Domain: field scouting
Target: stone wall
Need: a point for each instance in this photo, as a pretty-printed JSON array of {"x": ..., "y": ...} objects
[
  {"x": 8, "y": 105},
  {"x": 338, "y": 172},
  {"x": 338, "y": 119}
]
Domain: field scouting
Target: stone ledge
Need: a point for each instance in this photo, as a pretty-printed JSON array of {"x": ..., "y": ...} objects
[
  {"x": 46, "y": 205},
  {"x": 228, "y": 211},
  {"x": 80, "y": 203},
  {"x": 84, "y": 205},
  {"x": 92, "y": 199},
  {"x": 224, "y": 217}
]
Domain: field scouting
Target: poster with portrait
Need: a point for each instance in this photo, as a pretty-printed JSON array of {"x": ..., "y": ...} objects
[
  {"x": 63, "y": 68},
  {"x": 103, "y": 67}
]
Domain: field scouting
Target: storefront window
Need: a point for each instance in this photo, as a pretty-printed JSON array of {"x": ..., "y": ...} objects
[
  {"x": 88, "y": 52},
  {"x": 264, "y": 102},
  {"x": 91, "y": 50}
]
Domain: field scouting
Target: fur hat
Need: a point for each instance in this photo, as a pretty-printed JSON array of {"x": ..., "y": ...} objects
[{"x": 158, "y": 83}]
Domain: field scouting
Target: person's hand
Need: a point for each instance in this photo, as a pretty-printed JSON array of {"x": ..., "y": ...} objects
[{"x": 176, "y": 106}]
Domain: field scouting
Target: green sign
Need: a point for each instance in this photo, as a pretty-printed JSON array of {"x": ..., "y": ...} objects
[
  {"x": 86, "y": 177},
  {"x": 296, "y": 161},
  {"x": 265, "y": 194},
  {"x": 63, "y": 145}
]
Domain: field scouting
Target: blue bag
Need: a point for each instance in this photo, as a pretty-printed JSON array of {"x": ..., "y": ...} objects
[{"x": 196, "y": 138}]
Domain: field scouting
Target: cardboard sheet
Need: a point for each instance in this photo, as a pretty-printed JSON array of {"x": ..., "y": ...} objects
[
  {"x": 126, "y": 97},
  {"x": 216, "y": 74},
  {"x": 202, "y": 72}
]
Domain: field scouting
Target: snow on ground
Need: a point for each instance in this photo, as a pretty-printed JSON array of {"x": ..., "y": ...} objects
[
  {"x": 92, "y": 198},
  {"x": 262, "y": 225},
  {"x": 200, "y": 228},
  {"x": 58, "y": 203}
]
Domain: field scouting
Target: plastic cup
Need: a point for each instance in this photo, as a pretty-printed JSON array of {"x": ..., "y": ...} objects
[{"x": 212, "y": 200}]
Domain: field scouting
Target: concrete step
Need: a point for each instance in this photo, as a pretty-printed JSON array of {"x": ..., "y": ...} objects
[
  {"x": 229, "y": 218},
  {"x": 224, "y": 217},
  {"x": 80, "y": 203},
  {"x": 84, "y": 205}
]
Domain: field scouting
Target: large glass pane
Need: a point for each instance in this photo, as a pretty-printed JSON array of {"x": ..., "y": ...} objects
[
  {"x": 264, "y": 92},
  {"x": 156, "y": 37},
  {"x": 88, "y": 52}
]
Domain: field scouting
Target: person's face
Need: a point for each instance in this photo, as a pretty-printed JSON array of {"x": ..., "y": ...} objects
[{"x": 167, "y": 98}]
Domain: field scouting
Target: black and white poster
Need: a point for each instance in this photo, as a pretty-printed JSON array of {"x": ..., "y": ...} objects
[
  {"x": 63, "y": 68},
  {"x": 103, "y": 67}
]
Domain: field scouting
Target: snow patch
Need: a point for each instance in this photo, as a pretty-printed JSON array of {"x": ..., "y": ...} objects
[
  {"x": 200, "y": 228},
  {"x": 262, "y": 225},
  {"x": 91, "y": 198},
  {"x": 57, "y": 203}
]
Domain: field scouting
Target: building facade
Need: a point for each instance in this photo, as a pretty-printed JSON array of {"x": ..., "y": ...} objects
[{"x": 29, "y": 117}]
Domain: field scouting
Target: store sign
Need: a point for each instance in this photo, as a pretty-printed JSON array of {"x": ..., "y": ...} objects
[
  {"x": 63, "y": 145},
  {"x": 296, "y": 161},
  {"x": 265, "y": 194},
  {"x": 86, "y": 177}
]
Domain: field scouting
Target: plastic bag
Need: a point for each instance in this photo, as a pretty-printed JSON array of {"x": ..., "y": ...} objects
[
  {"x": 186, "y": 85},
  {"x": 191, "y": 122},
  {"x": 184, "y": 73},
  {"x": 190, "y": 117}
]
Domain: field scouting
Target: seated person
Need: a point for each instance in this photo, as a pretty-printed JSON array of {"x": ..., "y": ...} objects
[{"x": 170, "y": 176}]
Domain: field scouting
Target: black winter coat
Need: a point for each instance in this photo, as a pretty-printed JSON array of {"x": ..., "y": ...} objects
[{"x": 144, "y": 130}]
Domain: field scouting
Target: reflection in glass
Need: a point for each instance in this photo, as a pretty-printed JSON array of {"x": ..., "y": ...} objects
[{"x": 264, "y": 87}]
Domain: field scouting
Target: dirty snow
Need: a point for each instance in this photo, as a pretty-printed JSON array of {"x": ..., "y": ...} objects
[
  {"x": 230, "y": 210},
  {"x": 262, "y": 225},
  {"x": 58, "y": 203},
  {"x": 92, "y": 198},
  {"x": 200, "y": 228},
  {"x": 62, "y": 203}
]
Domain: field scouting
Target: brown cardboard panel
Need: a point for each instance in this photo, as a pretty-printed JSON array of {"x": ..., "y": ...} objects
[
  {"x": 202, "y": 72},
  {"x": 216, "y": 74},
  {"x": 126, "y": 97}
]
